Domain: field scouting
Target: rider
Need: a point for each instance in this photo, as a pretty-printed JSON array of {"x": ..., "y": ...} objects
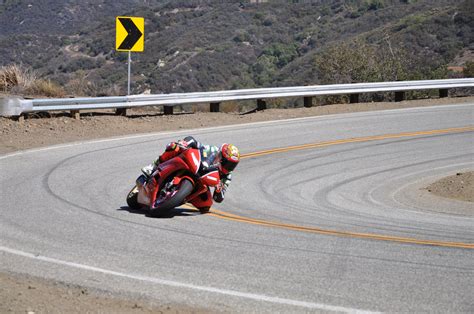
[{"x": 224, "y": 159}]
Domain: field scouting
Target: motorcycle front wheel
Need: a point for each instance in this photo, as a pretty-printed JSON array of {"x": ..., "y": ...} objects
[
  {"x": 176, "y": 198},
  {"x": 132, "y": 198}
]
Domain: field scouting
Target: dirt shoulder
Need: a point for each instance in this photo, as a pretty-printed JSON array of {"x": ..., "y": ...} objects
[
  {"x": 25, "y": 294},
  {"x": 62, "y": 128},
  {"x": 459, "y": 187}
]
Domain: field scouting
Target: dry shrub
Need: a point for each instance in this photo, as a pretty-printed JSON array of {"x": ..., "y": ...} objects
[
  {"x": 282, "y": 103},
  {"x": 16, "y": 76},
  {"x": 46, "y": 88},
  {"x": 200, "y": 107},
  {"x": 113, "y": 90},
  {"x": 230, "y": 106},
  {"x": 80, "y": 85},
  {"x": 20, "y": 80},
  {"x": 226, "y": 107}
]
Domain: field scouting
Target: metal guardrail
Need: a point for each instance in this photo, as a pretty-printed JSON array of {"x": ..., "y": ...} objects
[{"x": 17, "y": 106}]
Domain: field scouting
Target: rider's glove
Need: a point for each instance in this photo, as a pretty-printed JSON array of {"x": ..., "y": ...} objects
[
  {"x": 219, "y": 187},
  {"x": 219, "y": 193},
  {"x": 173, "y": 146},
  {"x": 218, "y": 196},
  {"x": 183, "y": 144}
]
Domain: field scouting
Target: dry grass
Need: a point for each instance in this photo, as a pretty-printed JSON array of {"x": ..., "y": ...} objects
[
  {"x": 20, "y": 80},
  {"x": 230, "y": 107},
  {"x": 47, "y": 88},
  {"x": 226, "y": 107},
  {"x": 81, "y": 85},
  {"x": 16, "y": 76}
]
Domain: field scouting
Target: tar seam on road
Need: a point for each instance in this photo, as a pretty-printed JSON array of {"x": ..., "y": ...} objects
[{"x": 372, "y": 236}]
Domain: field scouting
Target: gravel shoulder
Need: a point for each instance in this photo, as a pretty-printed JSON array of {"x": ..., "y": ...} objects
[
  {"x": 459, "y": 186},
  {"x": 36, "y": 131},
  {"x": 25, "y": 294}
]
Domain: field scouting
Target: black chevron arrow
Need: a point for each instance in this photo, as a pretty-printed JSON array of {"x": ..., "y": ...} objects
[{"x": 133, "y": 36}]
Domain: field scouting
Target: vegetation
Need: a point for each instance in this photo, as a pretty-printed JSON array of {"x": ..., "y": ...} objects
[
  {"x": 469, "y": 70},
  {"x": 20, "y": 80},
  {"x": 214, "y": 45}
]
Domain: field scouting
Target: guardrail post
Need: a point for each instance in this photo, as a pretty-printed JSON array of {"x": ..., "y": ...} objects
[
  {"x": 214, "y": 107},
  {"x": 399, "y": 96},
  {"x": 261, "y": 104},
  {"x": 75, "y": 114},
  {"x": 308, "y": 101},
  {"x": 354, "y": 98},
  {"x": 443, "y": 93},
  {"x": 121, "y": 111},
  {"x": 167, "y": 110}
]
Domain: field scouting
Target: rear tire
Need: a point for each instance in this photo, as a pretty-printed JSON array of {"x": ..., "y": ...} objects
[
  {"x": 185, "y": 188},
  {"x": 132, "y": 199}
]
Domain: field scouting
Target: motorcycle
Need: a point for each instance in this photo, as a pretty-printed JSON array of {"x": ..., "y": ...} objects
[{"x": 173, "y": 183}]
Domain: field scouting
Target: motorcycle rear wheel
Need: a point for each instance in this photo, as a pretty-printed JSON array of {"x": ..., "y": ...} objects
[{"x": 185, "y": 188}]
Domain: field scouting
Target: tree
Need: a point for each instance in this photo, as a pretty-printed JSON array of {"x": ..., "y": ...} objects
[{"x": 359, "y": 62}]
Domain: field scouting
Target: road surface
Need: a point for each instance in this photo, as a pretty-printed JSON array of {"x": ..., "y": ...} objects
[{"x": 323, "y": 214}]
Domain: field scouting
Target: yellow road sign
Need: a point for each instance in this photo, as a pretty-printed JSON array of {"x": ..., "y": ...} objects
[{"x": 130, "y": 33}]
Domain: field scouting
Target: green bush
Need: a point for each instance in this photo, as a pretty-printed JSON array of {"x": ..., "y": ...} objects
[
  {"x": 373, "y": 4},
  {"x": 358, "y": 62},
  {"x": 241, "y": 36},
  {"x": 282, "y": 54},
  {"x": 469, "y": 69}
]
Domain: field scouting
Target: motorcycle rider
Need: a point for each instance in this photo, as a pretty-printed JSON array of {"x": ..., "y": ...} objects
[{"x": 223, "y": 159}]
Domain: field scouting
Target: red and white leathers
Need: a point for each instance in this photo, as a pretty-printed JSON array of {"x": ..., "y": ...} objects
[{"x": 211, "y": 160}]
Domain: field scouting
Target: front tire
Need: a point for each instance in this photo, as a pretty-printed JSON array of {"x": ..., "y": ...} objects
[
  {"x": 132, "y": 198},
  {"x": 185, "y": 188}
]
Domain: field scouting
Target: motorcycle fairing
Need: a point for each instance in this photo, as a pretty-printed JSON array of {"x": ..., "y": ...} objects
[
  {"x": 184, "y": 166},
  {"x": 203, "y": 199},
  {"x": 211, "y": 179},
  {"x": 142, "y": 192},
  {"x": 193, "y": 158},
  {"x": 169, "y": 168}
]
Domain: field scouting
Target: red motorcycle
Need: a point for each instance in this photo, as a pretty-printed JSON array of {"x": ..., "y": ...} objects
[{"x": 173, "y": 183}]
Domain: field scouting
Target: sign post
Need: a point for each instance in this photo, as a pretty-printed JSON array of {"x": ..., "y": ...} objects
[
  {"x": 129, "y": 67},
  {"x": 129, "y": 36}
]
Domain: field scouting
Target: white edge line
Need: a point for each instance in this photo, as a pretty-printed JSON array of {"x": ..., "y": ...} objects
[
  {"x": 257, "y": 297},
  {"x": 126, "y": 137}
]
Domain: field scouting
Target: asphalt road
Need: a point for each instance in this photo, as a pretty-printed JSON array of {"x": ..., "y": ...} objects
[{"x": 341, "y": 225}]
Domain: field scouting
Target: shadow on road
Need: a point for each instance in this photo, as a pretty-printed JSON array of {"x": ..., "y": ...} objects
[{"x": 179, "y": 211}]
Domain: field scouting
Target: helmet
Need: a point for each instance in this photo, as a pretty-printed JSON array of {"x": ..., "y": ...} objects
[{"x": 230, "y": 157}]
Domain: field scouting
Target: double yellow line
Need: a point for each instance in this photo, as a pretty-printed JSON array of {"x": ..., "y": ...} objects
[
  {"x": 371, "y": 236},
  {"x": 357, "y": 140},
  {"x": 223, "y": 215}
]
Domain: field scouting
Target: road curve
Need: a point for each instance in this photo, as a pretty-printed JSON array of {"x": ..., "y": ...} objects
[{"x": 324, "y": 214}]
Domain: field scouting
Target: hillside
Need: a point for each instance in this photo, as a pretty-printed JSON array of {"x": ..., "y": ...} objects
[{"x": 211, "y": 45}]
